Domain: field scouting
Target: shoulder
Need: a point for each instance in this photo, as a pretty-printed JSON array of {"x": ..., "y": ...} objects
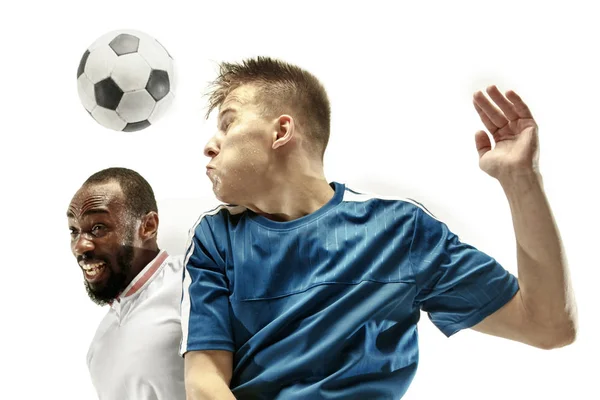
[
  {"x": 212, "y": 226},
  {"x": 398, "y": 203},
  {"x": 174, "y": 262},
  {"x": 168, "y": 282},
  {"x": 219, "y": 215}
]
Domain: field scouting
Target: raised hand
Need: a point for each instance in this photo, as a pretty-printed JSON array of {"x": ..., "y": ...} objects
[{"x": 514, "y": 131}]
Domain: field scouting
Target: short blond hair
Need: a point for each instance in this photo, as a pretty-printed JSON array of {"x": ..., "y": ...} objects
[{"x": 281, "y": 88}]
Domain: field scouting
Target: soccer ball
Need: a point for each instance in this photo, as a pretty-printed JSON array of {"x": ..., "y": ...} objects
[{"x": 125, "y": 80}]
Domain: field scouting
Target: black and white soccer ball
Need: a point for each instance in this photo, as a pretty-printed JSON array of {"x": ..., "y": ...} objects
[{"x": 125, "y": 80}]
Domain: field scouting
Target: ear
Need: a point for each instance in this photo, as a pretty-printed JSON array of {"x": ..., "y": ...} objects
[
  {"x": 284, "y": 131},
  {"x": 149, "y": 226}
]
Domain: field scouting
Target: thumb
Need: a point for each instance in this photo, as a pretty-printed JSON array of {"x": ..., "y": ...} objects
[{"x": 482, "y": 142}]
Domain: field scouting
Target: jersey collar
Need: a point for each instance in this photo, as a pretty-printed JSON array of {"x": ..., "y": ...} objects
[{"x": 145, "y": 275}]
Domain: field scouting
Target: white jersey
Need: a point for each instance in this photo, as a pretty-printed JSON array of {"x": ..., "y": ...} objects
[{"x": 134, "y": 354}]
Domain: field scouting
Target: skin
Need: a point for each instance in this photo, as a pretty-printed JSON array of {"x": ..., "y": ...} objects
[
  {"x": 260, "y": 162},
  {"x": 543, "y": 313},
  {"x": 103, "y": 231}
]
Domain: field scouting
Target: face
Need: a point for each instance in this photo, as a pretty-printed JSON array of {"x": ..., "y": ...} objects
[
  {"x": 102, "y": 239},
  {"x": 241, "y": 149}
]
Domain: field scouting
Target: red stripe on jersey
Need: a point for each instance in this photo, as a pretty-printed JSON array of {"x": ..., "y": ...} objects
[{"x": 149, "y": 272}]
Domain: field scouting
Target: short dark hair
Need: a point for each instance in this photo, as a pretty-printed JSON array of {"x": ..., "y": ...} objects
[
  {"x": 139, "y": 196},
  {"x": 280, "y": 86}
]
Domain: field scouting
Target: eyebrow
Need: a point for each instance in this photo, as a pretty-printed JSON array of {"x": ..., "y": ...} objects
[
  {"x": 225, "y": 111},
  {"x": 88, "y": 212}
]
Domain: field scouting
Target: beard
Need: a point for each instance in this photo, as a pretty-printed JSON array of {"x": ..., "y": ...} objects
[{"x": 117, "y": 281}]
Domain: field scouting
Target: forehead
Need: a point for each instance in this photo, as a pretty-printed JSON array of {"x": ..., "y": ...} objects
[
  {"x": 241, "y": 97},
  {"x": 107, "y": 197}
]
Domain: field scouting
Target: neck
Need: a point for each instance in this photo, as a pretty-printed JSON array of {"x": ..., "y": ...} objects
[
  {"x": 143, "y": 257},
  {"x": 291, "y": 195}
]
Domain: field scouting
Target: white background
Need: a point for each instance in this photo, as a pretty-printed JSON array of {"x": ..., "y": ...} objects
[{"x": 400, "y": 76}]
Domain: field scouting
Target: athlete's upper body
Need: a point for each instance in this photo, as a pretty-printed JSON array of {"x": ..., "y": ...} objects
[
  {"x": 113, "y": 219},
  {"x": 327, "y": 305},
  {"x": 304, "y": 289}
]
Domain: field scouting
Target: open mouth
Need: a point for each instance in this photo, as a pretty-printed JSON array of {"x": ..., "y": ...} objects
[{"x": 93, "y": 271}]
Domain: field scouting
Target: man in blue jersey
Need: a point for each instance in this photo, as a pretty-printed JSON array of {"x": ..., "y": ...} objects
[{"x": 300, "y": 288}]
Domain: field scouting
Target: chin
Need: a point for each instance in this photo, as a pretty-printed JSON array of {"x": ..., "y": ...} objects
[
  {"x": 223, "y": 199},
  {"x": 228, "y": 193},
  {"x": 220, "y": 194}
]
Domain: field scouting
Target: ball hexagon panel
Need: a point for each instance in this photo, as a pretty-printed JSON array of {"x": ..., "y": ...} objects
[
  {"x": 161, "y": 107},
  {"x": 154, "y": 54},
  {"x": 108, "y": 94},
  {"x": 124, "y": 43},
  {"x": 164, "y": 48},
  {"x": 136, "y": 106},
  {"x": 85, "y": 88},
  {"x": 108, "y": 118},
  {"x": 157, "y": 57},
  {"x": 100, "y": 63},
  {"x": 131, "y": 72}
]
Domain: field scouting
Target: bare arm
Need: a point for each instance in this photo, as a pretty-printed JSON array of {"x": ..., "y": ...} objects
[
  {"x": 208, "y": 374},
  {"x": 543, "y": 313}
]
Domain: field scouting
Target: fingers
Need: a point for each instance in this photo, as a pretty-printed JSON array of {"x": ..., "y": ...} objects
[
  {"x": 494, "y": 114},
  {"x": 506, "y": 106},
  {"x": 485, "y": 119},
  {"x": 519, "y": 105}
]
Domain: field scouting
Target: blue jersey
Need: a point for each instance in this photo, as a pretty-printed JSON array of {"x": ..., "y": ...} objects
[{"x": 326, "y": 306}]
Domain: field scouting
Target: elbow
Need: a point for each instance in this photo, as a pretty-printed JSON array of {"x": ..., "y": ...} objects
[
  {"x": 554, "y": 329},
  {"x": 195, "y": 389},
  {"x": 209, "y": 387},
  {"x": 199, "y": 389},
  {"x": 559, "y": 337},
  {"x": 193, "y": 392}
]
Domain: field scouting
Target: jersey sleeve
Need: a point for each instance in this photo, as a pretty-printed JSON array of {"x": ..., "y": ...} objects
[
  {"x": 205, "y": 305},
  {"x": 457, "y": 284}
]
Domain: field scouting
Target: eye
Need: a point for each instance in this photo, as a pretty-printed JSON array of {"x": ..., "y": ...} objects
[
  {"x": 99, "y": 230},
  {"x": 73, "y": 231},
  {"x": 226, "y": 123}
]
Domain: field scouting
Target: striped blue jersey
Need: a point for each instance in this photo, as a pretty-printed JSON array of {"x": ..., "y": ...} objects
[{"x": 326, "y": 306}]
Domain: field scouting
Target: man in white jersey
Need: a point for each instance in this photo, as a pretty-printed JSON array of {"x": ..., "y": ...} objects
[{"x": 113, "y": 219}]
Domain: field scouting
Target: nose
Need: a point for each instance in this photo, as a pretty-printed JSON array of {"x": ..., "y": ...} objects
[
  {"x": 82, "y": 245},
  {"x": 212, "y": 148}
]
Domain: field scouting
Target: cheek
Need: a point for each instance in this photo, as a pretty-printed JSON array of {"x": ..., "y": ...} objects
[
  {"x": 249, "y": 137},
  {"x": 112, "y": 245},
  {"x": 247, "y": 162},
  {"x": 241, "y": 155}
]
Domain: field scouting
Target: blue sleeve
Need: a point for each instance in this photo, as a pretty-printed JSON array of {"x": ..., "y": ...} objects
[
  {"x": 205, "y": 305},
  {"x": 457, "y": 285}
]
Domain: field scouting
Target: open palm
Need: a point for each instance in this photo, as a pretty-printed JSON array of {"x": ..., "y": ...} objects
[{"x": 514, "y": 131}]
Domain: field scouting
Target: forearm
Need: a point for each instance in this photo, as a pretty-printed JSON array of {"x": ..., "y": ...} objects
[
  {"x": 208, "y": 387},
  {"x": 542, "y": 265},
  {"x": 208, "y": 374}
]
